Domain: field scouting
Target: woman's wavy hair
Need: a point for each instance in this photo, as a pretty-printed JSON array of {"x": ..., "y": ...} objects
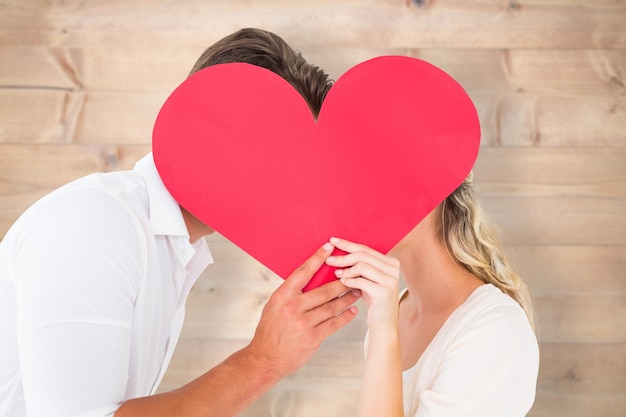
[{"x": 476, "y": 245}]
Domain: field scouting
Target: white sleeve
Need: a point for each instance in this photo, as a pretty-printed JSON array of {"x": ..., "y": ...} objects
[
  {"x": 490, "y": 370},
  {"x": 76, "y": 266}
]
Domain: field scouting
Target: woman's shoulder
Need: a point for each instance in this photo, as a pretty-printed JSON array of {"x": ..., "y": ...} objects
[
  {"x": 489, "y": 298},
  {"x": 488, "y": 310}
]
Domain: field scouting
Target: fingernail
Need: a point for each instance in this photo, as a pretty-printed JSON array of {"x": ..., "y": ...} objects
[
  {"x": 327, "y": 246},
  {"x": 338, "y": 272},
  {"x": 356, "y": 293},
  {"x": 331, "y": 259},
  {"x": 334, "y": 240}
]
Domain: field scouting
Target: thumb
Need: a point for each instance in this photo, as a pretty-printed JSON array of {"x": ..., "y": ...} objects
[{"x": 303, "y": 274}]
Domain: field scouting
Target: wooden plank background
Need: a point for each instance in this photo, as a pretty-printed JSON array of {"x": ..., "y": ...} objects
[{"x": 81, "y": 82}]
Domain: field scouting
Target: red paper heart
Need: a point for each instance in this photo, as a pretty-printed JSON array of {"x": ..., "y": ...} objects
[{"x": 237, "y": 146}]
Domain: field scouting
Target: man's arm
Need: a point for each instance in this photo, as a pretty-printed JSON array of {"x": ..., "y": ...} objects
[
  {"x": 76, "y": 259},
  {"x": 292, "y": 327}
]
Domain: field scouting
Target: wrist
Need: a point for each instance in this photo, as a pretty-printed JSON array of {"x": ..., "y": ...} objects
[
  {"x": 382, "y": 334},
  {"x": 266, "y": 366},
  {"x": 383, "y": 342}
]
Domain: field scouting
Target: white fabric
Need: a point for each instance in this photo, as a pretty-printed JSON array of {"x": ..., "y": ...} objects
[
  {"x": 483, "y": 362},
  {"x": 93, "y": 283}
]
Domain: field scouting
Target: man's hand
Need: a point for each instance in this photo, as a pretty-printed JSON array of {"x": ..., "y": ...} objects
[
  {"x": 294, "y": 324},
  {"x": 291, "y": 329}
]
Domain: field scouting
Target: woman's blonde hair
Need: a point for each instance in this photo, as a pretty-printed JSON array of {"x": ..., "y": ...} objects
[{"x": 474, "y": 243}]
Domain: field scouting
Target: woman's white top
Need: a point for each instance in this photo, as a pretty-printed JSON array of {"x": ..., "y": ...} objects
[{"x": 483, "y": 362}]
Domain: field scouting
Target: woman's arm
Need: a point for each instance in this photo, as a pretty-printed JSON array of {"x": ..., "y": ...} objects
[{"x": 377, "y": 276}]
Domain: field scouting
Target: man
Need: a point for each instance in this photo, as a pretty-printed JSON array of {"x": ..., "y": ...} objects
[{"x": 94, "y": 278}]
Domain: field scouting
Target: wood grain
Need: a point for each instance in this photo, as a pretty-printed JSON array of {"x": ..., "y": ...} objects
[
  {"x": 578, "y": 270},
  {"x": 392, "y": 23},
  {"x": 28, "y": 172},
  {"x": 112, "y": 95},
  {"x": 132, "y": 68},
  {"x": 572, "y": 307},
  {"x": 81, "y": 83},
  {"x": 549, "y": 196},
  {"x": 62, "y": 116},
  {"x": 581, "y": 380}
]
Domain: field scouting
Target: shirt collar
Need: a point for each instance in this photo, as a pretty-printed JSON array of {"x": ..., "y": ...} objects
[{"x": 165, "y": 214}]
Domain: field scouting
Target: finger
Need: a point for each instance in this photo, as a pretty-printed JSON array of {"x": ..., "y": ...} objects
[
  {"x": 323, "y": 294},
  {"x": 330, "y": 309},
  {"x": 380, "y": 289},
  {"x": 336, "y": 322},
  {"x": 390, "y": 266},
  {"x": 303, "y": 274},
  {"x": 364, "y": 285},
  {"x": 361, "y": 253},
  {"x": 368, "y": 279},
  {"x": 351, "y": 247},
  {"x": 364, "y": 270}
]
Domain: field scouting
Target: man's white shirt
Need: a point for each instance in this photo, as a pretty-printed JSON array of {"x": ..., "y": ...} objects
[{"x": 93, "y": 283}]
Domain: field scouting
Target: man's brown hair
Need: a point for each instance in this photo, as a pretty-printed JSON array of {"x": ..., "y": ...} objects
[{"x": 268, "y": 50}]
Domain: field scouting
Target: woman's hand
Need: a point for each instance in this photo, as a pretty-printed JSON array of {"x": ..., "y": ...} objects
[{"x": 376, "y": 275}]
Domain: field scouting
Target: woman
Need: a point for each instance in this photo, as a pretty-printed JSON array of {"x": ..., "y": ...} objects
[{"x": 460, "y": 342}]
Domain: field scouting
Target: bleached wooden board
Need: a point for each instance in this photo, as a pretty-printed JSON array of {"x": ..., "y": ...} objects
[
  {"x": 520, "y": 120},
  {"x": 328, "y": 23},
  {"x": 28, "y": 172},
  {"x": 536, "y": 196},
  {"x": 132, "y": 68},
  {"x": 81, "y": 83},
  {"x": 112, "y": 95}
]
